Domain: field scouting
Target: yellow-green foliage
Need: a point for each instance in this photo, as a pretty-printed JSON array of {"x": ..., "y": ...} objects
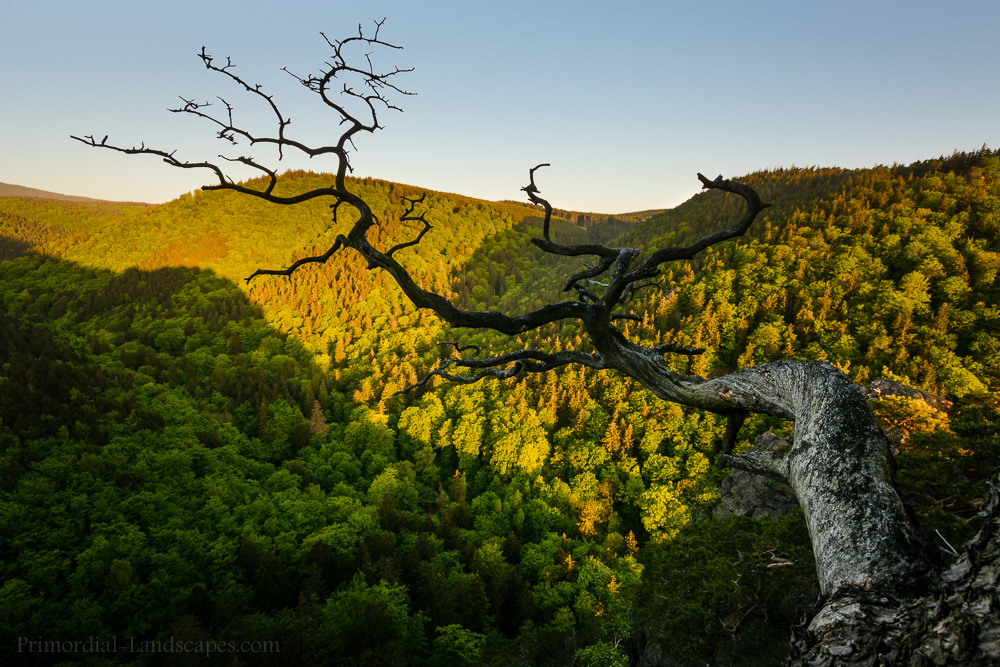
[{"x": 184, "y": 454}]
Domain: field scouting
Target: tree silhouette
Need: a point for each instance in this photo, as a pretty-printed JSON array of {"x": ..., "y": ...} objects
[{"x": 838, "y": 462}]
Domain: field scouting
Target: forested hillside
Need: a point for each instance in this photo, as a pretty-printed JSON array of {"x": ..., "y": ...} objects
[{"x": 187, "y": 456}]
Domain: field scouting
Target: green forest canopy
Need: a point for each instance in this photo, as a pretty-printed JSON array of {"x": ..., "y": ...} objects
[{"x": 186, "y": 456}]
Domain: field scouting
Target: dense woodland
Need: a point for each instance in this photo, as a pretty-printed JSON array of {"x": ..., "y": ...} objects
[{"x": 183, "y": 455}]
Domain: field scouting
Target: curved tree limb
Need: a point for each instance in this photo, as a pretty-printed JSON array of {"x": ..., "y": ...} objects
[
  {"x": 754, "y": 206},
  {"x": 520, "y": 361},
  {"x": 318, "y": 259},
  {"x": 377, "y": 84},
  {"x": 408, "y": 216},
  {"x": 838, "y": 466}
]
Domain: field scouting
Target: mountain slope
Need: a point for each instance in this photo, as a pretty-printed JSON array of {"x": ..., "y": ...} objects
[
  {"x": 10, "y": 190},
  {"x": 182, "y": 454}
]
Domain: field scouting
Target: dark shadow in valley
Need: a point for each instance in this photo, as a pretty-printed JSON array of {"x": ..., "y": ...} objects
[
  {"x": 12, "y": 247},
  {"x": 119, "y": 394}
]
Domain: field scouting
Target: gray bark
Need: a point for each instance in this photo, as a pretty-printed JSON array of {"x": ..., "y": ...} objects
[
  {"x": 956, "y": 622},
  {"x": 840, "y": 470},
  {"x": 839, "y": 467},
  {"x": 744, "y": 493}
]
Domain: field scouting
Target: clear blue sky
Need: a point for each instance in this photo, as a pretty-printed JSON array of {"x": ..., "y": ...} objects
[{"x": 627, "y": 100}]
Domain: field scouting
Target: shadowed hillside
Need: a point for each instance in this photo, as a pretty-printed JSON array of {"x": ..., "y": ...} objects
[{"x": 186, "y": 455}]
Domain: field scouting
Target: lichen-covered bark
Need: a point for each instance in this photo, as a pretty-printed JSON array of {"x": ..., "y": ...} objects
[
  {"x": 743, "y": 493},
  {"x": 840, "y": 470},
  {"x": 839, "y": 466},
  {"x": 955, "y": 622}
]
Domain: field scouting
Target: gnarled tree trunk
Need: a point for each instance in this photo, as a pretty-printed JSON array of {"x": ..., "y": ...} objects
[
  {"x": 956, "y": 621},
  {"x": 838, "y": 466}
]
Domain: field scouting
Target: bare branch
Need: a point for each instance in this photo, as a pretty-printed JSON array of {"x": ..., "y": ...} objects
[
  {"x": 408, "y": 216},
  {"x": 521, "y": 361},
  {"x": 377, "y": 83},
  {"x": 587, "y": 274},
  {"x": 620, "y": 288},
  {"x": 271, "y": 174},
  {"x": 762, "y": 462},
  {"x": 546, "y": 244},
  {"x": 224, "y": 182},
  {"x": 533, "y": 191},
  {"x": 754, "y": 207},
  {"x": 600, "y": 289},
  {"x": 318, "y": 259},
  {"x": 228, "y": 129},
  {"x": 633, "y": 290},
  {"x": 167, "y": 157},
  {"x": 462, "y": 348}
]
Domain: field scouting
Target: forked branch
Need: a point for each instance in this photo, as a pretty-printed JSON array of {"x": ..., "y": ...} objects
[
  {"x": 600, "y": 290},
  {"x": 517, "y": 363},
  {"x": 376, "y": 86},
  {"x": 409, "y": 216},
  {"x": 754, "y": 206}
]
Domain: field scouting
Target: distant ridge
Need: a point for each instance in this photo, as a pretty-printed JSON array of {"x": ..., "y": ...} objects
[{"x": 9, "y": 190}]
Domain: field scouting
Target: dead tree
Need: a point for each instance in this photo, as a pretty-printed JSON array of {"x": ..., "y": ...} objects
[{"x": 839, "y": 465}]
